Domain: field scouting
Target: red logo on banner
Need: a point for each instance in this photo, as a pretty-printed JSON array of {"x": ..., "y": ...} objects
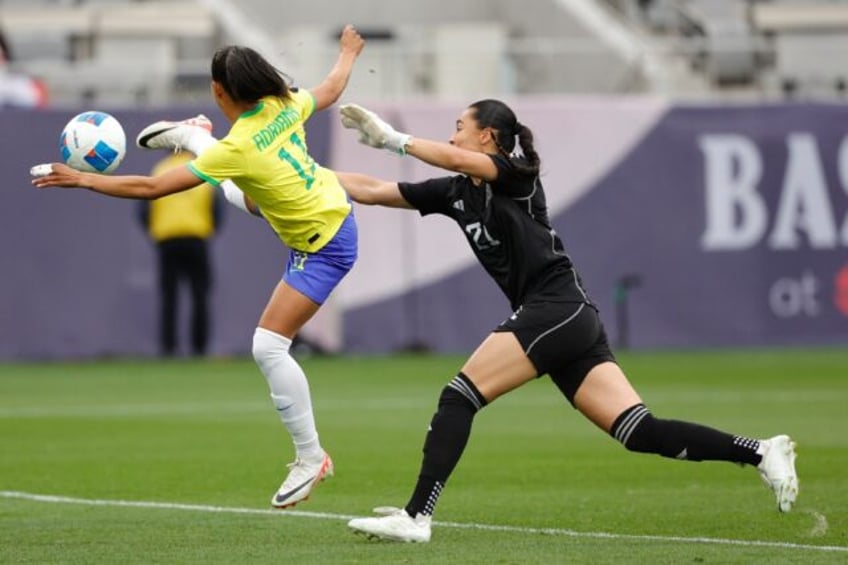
[{"x": 840, "y": 294}]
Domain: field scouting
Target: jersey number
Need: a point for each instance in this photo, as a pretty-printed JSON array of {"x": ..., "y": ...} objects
[
  {"x": 480, "y": 236},
  {"x": 300, "y": 166}
]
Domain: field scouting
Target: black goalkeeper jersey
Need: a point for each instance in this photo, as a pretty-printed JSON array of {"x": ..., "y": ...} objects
[{"x": 506, "y": 224}]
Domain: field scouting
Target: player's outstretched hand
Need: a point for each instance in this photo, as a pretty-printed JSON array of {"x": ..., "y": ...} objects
[
  {"x": 54, "y": 174},
  {"x": 373, "y": 131}
]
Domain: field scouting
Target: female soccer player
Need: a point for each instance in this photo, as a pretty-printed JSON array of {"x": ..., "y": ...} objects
[
  {"x": 554, "y": 328},
  {"x": 265, "y": 153}
]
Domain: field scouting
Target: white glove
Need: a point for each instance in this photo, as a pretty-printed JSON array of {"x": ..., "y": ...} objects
[{"x": 373, "y": 131}]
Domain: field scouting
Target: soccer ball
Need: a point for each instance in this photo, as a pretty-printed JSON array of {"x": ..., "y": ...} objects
[{"x": 93, "y": 142}]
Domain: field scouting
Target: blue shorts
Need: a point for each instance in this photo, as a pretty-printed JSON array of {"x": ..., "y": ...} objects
[{"x": 315, "y": 275}]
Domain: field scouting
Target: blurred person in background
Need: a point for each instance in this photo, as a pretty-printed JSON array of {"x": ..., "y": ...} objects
[
  {"x": 498, "y": 201},
  {"x": 18, "y": 90},
  {"x": 181, "y": 226}
]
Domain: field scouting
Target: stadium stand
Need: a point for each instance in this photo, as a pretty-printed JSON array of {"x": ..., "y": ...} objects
[
  {"x": 808, "y": 41},
  {"x": 113, "y": 52},
  {"x": 778, "y": 47},
  {"x": 156, "y": 51}
]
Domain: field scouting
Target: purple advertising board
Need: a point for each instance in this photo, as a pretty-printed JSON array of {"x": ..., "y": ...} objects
[
  {"x": 78, "y": 276},
  {"x": 692, "y": 226},
  {"x": 716, "y": 226}
]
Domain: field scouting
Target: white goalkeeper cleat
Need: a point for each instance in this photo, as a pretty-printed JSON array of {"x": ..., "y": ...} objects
[
  {"x": 302, "y": 478},
  {"x": 394, "y": 525},
  {"x": 173, "y": 135},
  {"x": 777, "y": 469}
]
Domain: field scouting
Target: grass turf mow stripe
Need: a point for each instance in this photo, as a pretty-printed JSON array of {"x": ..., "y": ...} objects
[{"x": 56, "y": 499}]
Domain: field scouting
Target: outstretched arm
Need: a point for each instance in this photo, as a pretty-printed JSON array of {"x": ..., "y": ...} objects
[
  {"x": 124, "y": 186},
  {"x": 446, "y": 156},
  {"x": 369, "y": 190},
  {"x": 333, "y": 85},
  {"x": 377, "y": 133}
]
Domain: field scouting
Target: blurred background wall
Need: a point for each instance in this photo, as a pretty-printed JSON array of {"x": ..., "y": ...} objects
[{"x": 693, "y": 151}]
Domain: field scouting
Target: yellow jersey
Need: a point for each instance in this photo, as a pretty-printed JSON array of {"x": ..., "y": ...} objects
[
  {"x": 265, "y": 154},
  {"x": 183, "y": 214}
]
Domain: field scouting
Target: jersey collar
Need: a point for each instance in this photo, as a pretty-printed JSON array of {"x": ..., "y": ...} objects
[{"x": 255, "y": 110}]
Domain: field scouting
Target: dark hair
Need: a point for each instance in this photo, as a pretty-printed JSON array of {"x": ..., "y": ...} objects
[
  {"x": 246, "y": 76},
  {"x": 499, "y": 117}
]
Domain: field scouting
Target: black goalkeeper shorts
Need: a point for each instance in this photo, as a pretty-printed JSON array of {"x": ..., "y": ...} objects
[{"x": 562, "y": 339}]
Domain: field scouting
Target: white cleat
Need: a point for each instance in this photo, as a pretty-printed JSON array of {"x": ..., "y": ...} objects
[
  {"x": 302, "y": 478},
  {"x": 394, "y": 525},
  {"x": 172, "y": 135},
  {"x": 777, "y": 469}
]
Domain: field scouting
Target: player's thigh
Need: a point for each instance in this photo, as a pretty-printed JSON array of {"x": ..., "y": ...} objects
[
  {"x": 499, "y": 365},
  {"x": 538, "y": 337},
  {"x": 308, "y": 281},
  {"x": 287, "y": 311},
  {"x": 553, "y": 335},
  {"x": 604, "y": 394}
]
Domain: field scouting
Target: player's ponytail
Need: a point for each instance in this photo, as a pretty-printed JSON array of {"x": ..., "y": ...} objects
[
  {"x": 525, "y": 140},
  {"x": 499, "y": 117},
  {"x": 246, "y": 76}
]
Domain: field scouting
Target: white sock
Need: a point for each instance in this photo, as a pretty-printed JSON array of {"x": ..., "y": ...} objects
[
  {"x": 199, "y": 141},
  {"x": 289, "y": 391}
]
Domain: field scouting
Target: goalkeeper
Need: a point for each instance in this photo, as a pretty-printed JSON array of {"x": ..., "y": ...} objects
[{"x": 499, "y": 203}]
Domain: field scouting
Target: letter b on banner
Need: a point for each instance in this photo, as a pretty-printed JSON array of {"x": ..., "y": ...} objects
[{"x": 737, "y": 217}]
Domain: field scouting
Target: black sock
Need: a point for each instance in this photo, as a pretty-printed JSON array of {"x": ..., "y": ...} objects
[
  {"x": 638, "y": 430},
  {"x": 445, "y": 442}
]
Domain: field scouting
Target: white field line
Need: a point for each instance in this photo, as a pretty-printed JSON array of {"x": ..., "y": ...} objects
[{"x": 465, "y": 526}]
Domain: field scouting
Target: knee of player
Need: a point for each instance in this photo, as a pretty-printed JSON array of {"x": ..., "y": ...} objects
[
  {"x": 637, "y": 430},
  {"x": 462, "y": 391},
  {"x": 268, "y": 345}
]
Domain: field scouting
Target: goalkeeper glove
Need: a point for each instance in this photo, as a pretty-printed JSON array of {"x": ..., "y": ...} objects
[{"x": 373, "y": 131}]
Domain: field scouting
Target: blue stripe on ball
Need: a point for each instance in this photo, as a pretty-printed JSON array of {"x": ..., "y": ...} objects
[
  {"x": 63, "y": 147},
  {"x": 101, "y": 156}
]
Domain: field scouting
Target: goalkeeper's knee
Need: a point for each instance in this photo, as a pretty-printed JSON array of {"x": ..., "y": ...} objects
[{"x": 638, "y": 430}]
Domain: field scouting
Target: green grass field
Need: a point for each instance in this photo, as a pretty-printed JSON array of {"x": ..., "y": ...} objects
[{"x": 175, "y": 462}]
